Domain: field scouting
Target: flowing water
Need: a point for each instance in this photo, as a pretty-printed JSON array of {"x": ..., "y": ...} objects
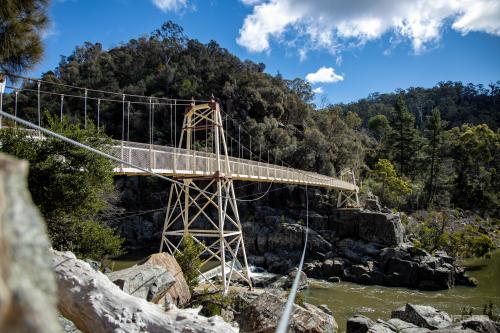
[{"x": 346, "y": 299}]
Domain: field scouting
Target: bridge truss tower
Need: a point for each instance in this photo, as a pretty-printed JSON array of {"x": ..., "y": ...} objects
[
  {"x": 348, "y": 199},
  {"x": 206, "y": 207}
]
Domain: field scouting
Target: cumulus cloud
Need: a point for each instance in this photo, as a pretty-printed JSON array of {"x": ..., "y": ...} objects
[
  {"x": 324, "y": 75},
  {"x": 318, "y": 90},
  {"x": 252, "y": 2},
  {"x": 170, "y": 5},
  {"x": 333, "y": 24}
]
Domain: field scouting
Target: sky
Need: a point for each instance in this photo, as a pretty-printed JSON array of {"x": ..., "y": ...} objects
[{"x": 346, "y": 49}]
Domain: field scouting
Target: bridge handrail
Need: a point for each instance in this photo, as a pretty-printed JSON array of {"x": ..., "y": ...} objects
[{"x": 239, "y": 166}]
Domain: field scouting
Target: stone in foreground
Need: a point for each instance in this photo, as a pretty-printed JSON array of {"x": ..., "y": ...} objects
[
  {"x": 146, "y": 281},
  {"x": 423, "y": 316},
  {"x": 262, "y": 313},
  {"x": 178, "y": 293},
  {"x": 359, "y": 324},
  {"x": 27, "y": 286}
]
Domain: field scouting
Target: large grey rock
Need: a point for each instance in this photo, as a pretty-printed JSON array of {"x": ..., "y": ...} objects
[
  {"x": 405, "y": 327},
  {"x": 95, "y": 304},
  {"x": 423, "y": 316},
  {"x": 481, "y": 324},
  {"x": 146, "y": 281},
  {"x": 178, "y": 293},
  {"x": 303, "y": 283},
  {"x": 261, "y": 313},
  {"x": 369, "y": 226},
  {"x": 359, "y": 324},
  {"x": 28, "y": 294}
]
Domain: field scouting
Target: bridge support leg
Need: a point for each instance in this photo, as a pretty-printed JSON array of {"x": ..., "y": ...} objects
[
  {"x": 348, "y": 199},
  {"x": 205, "y": 207}
]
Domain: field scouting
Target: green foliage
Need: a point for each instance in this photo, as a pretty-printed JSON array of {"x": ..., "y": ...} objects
[
  {"x": 87, "y": 239},
  {"x": 188, "y": 258},
  {"x": 434, "y": 233},
  {"x": 299, "y": 299},
  {"x": 22, "y": 24},
  {"x": 70, "y": 186},
  {"x": 476, "y": 158},
  {"x": 391, "y": 188},
  {"x": 213, "y": 303}
]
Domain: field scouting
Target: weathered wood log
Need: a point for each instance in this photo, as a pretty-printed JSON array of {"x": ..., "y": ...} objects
[
  {"x": 28, "y": 293},
  {"x": 95, "y": 304}
]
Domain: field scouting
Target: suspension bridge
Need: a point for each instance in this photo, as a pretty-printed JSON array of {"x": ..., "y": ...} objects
[{"x": 201, "y": 161}]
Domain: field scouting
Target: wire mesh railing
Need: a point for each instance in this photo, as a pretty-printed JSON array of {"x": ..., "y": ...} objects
[{"x": 182, "y": 162}]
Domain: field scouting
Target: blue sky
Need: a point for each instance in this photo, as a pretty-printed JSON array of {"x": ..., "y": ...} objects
[{"x": 346, "y": 55}]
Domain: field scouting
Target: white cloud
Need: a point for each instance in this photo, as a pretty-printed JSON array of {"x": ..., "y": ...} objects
[
  {"x": 252, "y": 2},
  {"x": 50, "y": 31},
  {"x": 324, "y": 75},
  {"x": 318, "y": 90},
  {"x": 333, "y": 24},
  {"x": 170, "y": 5}
]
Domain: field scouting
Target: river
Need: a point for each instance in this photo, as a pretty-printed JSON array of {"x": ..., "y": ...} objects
[{"x": 346, "y": 299}]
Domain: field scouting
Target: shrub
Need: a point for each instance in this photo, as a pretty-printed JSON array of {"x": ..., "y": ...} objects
[
  {"x": 188, "y": 258},
  {"x": 69, "y": 185}
]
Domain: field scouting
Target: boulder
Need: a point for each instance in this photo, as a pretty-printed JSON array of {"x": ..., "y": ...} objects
[
  {"x": 480, "y": 324},
  {"x": 146, "y": 281},
  {"x": 178, "y": 293},
  {"x": 423, "y": 316},
  {"x": 303, "y": 283},
  {"x": 381, "y": 327},
  {"x": 369, "y": 226},
  {"x": 359, "y": 324},
  {"x": 404, "y": 327},
  {"x": 28, "y": 292},
  {"x": 261, "y": 312},
  {"x": 373, "y": 204},
  {"x": 95, "y": 304}
]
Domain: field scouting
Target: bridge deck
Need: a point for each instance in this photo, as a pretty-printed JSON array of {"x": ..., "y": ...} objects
[{"x": 178, "y": 162}]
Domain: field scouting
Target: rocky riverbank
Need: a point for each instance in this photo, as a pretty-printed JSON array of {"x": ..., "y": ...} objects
[
  {"x": 362, "y": 246},
  {"x": 359, "y": 246},
  {"x": 421, "y": 319}
]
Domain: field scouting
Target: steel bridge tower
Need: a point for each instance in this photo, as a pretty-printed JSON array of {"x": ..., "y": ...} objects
[{"x": 200, "y": 197}]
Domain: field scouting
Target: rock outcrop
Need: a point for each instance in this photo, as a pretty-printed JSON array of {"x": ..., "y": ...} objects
[
  {"x": 95, "y": 304},
  {"x": 420, "y": 319},
  {"x": 369, "y": 226},
  {"x": 359, "y": 324},
  {"x": 147, "y": 281},
  {"x": 262, "y": 312},
  {"x": 423, "y": 316},
  {"x": 402, "y": 265},
  {"x": 178, "y": 293},
  {"x": 28, "y": 294}
]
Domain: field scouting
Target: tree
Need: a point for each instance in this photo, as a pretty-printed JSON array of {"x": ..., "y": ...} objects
[
  {"x": 22, "y": 23},
  {"x": 476, "y": 159},
  {"x": 404, "y": 139},
  {"x": 435, "y": 129},
  {"x": 70, "y": 186},
  {"x": 388, "y": 185}
]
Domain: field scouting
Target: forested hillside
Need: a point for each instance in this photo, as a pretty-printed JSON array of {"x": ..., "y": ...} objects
[{"x": 414, "y": 148}]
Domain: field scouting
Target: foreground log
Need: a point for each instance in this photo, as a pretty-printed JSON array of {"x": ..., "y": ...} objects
[{"x": 95, "y": 304}]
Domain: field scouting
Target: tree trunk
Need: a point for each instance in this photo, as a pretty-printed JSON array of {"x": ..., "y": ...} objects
[{"x": 97, "y": 305}]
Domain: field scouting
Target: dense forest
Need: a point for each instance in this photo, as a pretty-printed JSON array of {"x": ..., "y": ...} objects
[{"x": 415, "y": 148}]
